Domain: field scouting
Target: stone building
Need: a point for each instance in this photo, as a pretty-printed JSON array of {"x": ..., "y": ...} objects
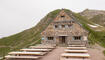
[{"x": 64, "y": 29}]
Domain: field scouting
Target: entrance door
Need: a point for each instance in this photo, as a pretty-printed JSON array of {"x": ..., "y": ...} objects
[{"x": 62, "y": 39}]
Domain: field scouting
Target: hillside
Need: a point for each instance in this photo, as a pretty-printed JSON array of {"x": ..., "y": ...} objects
[
  {"x": 96, "y": 16},
  {"x": 32, "y": 35},
  {"x": 27, "y": 37}
]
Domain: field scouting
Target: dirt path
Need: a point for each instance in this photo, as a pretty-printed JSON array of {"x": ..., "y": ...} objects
[
  {"x": 96, "y": 52},
  {"x": 54, "y": 55}
]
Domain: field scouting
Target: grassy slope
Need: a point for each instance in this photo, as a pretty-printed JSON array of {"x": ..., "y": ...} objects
[
  {"x": 32, "y": 36},
  {"x": 99, "y": 19},
  {"x": 94, "y": 36},
  {"x": 27, "y": 37},
  {"x": 96, "y": 16}
]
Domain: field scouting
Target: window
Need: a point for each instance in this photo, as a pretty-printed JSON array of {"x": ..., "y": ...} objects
[
  {"x": 77, "y": 37},
  {"x": 50, "y": 38},
  {"x": 69, "y": 25},
  {"x": 63, "y": 26},
  {"x": 56, "y": 26},
  {"x": 62, "y": 16},
  {"x": 72, "y": 21}
]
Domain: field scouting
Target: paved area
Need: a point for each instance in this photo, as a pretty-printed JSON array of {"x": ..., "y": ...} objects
[{"x": 54, "y": 55}]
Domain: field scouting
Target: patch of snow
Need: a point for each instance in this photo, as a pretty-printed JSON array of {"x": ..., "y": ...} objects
[
  {"x": 94, "y": 26},
  {"x": 98, "y": 25}
]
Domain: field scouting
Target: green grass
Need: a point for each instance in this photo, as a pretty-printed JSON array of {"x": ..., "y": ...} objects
[
  {"x": 28, "y": 37},
  {"x": 94, "y": 36},
  {"x": 4, "y": 50},
  {"x": 99, "y": 19}
]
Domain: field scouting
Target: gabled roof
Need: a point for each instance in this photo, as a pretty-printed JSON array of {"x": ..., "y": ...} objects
[
  {"x": 70, "y": 14},
  {"x": 61, "y": 14}
]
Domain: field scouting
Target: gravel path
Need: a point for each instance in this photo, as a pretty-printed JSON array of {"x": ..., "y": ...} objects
[
  {"x": 54, "y": 55},
  {"x": 96, "y": 52}
]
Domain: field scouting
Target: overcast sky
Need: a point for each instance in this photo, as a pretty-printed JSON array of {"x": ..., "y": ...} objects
[{"x": 18, "y": 15}]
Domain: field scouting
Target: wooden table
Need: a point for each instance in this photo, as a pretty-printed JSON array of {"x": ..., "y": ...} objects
[
  {"x": 76, "y": 45},
  {"x": 36, "y": 50},
  {"x": 27, "y": 53},
  {"x": 42, "y": 47},
  {"x": 77, "y": 55},
  {"x": 76, "y": 51},
  {"x": 21, "y": 57},
  {"x": 76, "y": 48}
]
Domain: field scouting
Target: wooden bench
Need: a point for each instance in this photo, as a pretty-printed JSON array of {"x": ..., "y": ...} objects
[
  {"x": 76, "y": 48},
  {"x": 42, "y": 47},
  {"x": 76, "y": 51},
  {"x": 21, "y": 57},
  {"x": 76, "y": 45},
  {"x": 28, "y": 53},
  {"x": 53, "y": 45},
  {"x": 75, "y": 55},
  {"x": 36, "y": 50},
  {"x": 63, "y": 58}
]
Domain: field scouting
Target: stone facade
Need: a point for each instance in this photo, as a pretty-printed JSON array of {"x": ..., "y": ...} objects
[{"x": 64, "y": 30}]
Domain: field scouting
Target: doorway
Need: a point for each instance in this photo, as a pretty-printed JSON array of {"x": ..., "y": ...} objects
[{"x": 62, "y": 39}]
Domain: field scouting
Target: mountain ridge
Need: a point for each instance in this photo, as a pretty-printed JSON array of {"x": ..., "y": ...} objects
[
  {"x": 89, "y": 13},
  {"x": 27, "y": 37},
  {"x": 32, "y": 36},
  {"x": 96, "y": 16}
]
